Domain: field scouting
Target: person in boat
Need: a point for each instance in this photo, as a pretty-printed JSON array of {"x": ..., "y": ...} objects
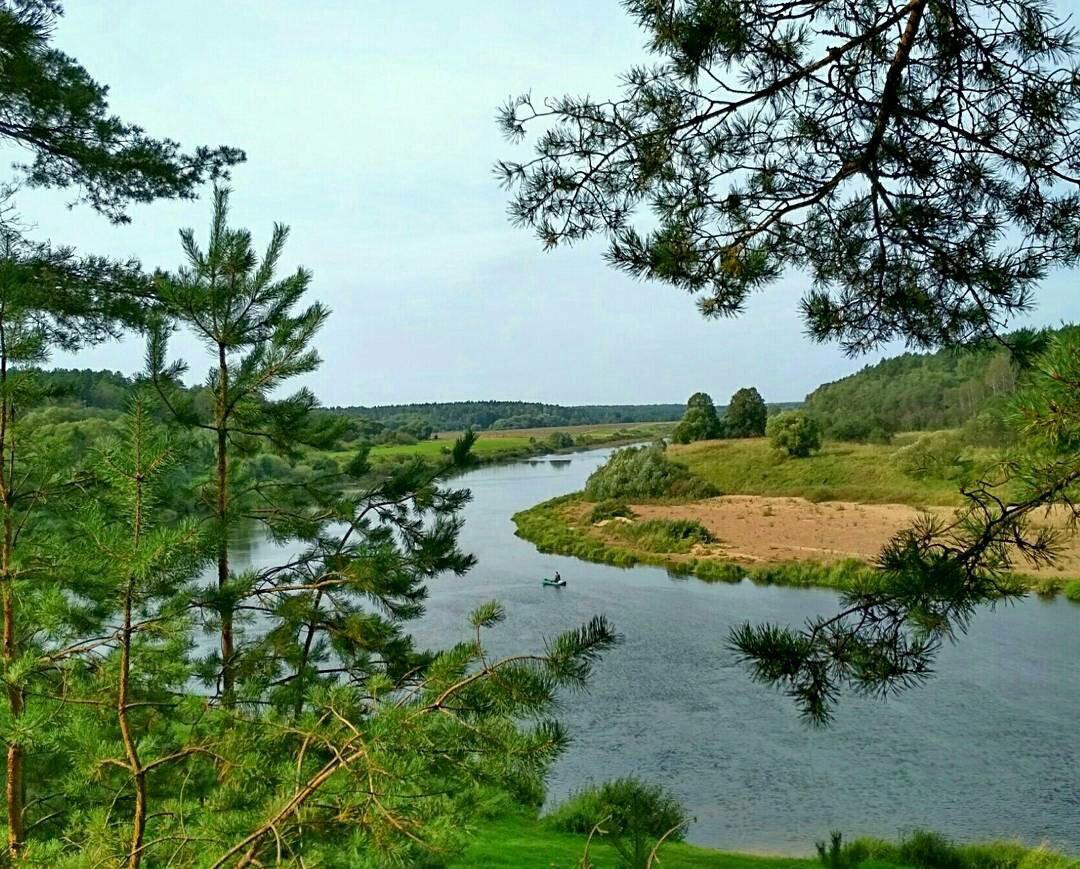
[{"x": 558, "y": 578}]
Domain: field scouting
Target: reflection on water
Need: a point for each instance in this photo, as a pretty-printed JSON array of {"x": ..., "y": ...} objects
[{"x": 988, "y": 749}]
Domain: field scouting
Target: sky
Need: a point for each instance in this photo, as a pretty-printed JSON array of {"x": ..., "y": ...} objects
[{"x": 370, "y": 130}]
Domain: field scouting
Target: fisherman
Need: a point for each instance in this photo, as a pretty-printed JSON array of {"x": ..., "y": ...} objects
[{"x": 558, "y": 578}]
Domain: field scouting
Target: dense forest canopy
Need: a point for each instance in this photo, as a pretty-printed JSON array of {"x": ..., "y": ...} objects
[
  {"x": 920, "y": 391},
  {"x": 485, "y": 415}
]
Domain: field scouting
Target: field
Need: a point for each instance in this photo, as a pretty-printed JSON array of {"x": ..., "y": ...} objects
[
  {"x": 840, "y": 472},
  {"x": 512, "y": 443}
]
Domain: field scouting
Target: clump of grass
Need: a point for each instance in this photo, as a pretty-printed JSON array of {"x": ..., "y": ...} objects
[
  {"x": 1046, "y": 586},
  {"x": 611, "y": 509},
  {"x": 927, "y": 850},
  {"x": 671, "y": 536},
  {"x": 1072, "y": 590}
]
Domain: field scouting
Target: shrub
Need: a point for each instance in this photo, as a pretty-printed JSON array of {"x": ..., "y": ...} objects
[
  {"x": 795, "y": 433},
  {"x": 612, "y": 509},
  {"x": 1046, "y": 586},
  {"x": 644, "y": 472},
  {"x": 559, "y": 440},
  {"x": 665, "y": 535},
  {"x": 937, "y": 454},
  {"x": 634, "y": 813},
  {"x": 1072, "y": 590},
  {"x": 925, "y": 850}
]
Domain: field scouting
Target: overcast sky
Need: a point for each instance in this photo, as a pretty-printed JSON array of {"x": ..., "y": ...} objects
[{"x": 369, "y": 129}]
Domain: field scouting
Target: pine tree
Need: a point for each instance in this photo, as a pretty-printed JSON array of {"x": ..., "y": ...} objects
[
  {"x": 246, "y": 317},
  {"x": 144, "y": 571},
  {"x": 49, "y": 299},
  {"x": 54, "y": 108},
  {"x": 916, "y": 161}
]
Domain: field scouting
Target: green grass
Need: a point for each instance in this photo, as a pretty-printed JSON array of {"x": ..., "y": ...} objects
[
  {"x": 840, "y": 472},
  {"x": 483, "y": 446},
  {"x": 522, "y": 842},
  {"x": 1072, "y": 590},
  {"x": 525, "y": 843},
  {"x": 672, "y": 536}
]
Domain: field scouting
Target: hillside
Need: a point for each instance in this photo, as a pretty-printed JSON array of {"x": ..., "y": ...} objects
[{"x": 920, "y": 391}]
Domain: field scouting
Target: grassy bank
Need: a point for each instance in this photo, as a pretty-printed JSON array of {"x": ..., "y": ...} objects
[
  {"x": 562, "y": 526},
  {"x": 522, "y": 842},
  {"x": 503, "y": 446},
  {"x": 840, "y": 472}
]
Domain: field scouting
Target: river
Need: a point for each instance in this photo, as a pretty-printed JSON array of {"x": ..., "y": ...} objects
[{"x": 989, "y": 748}]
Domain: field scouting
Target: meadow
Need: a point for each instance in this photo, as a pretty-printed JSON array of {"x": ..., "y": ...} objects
[{"x": 864, "y": 473}]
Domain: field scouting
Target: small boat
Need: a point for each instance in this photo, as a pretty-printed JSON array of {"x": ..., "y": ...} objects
[{"x": 558, "y": 583}]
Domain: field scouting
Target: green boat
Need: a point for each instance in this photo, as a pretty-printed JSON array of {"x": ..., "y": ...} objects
[{"x": 558, "y": 583}]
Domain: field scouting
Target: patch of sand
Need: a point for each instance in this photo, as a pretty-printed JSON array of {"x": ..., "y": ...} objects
[{"x": 753, "y": 528}]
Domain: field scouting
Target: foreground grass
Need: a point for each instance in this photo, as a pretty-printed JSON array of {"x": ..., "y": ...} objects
[
  {"x": 524, "y": 842},
  {"x": 840, "y": 472}
]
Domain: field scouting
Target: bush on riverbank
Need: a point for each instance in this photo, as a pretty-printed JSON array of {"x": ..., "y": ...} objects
[
  {"x": 645, "y": 473},
  {"x": 613, "y": 509},
  {"x": 1072, "y": 590},
  {"x": 926, "y": 850},
  {"x": 633, "y": 816},
  {"x": 673, "y": 536}
]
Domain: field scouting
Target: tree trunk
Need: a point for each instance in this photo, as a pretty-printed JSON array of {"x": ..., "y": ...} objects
[
  {"x": 16, "y": 701},
  {"x": 228, "y": 678}
]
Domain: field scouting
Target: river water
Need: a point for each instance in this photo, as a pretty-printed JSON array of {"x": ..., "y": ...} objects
[{"x": 989, "y": 748}]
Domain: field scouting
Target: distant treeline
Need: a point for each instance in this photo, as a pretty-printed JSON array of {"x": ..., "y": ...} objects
[
  {"x": 488, "y": 415},
  {"x": 923, "y": 391}
]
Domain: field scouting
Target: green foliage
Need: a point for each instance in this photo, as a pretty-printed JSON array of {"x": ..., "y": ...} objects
[
  {"x": 918, "y": 392},
  {"x": 700, "y": 421},
  {"x": 644, "y": 472},
  {"x": 746, "y": 415},
  {"x": 1071, "y": 590},
  {"x": 936, "y": 454},
  {"x": 927, "y": 850},
  {"x": 852, "y": 159},
  {"x": 612, "y": 509},
  {"x": 559, "y": 440},
  {"x": 795, "y": 433},
  {"x": 630, "y": 813},
  {"x": 495, "y": 415},
  {"x": 675, "y": 536},
  {"x": 60, "y": 114}
]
